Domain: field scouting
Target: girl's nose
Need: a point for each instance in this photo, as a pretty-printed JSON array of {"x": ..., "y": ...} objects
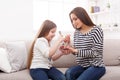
[{"x": 73, "y": 22}]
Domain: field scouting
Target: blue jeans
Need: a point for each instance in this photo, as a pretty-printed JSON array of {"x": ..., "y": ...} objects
[
  {"x": 45, "y": 74},
  {"x": 89, "y": 73}
]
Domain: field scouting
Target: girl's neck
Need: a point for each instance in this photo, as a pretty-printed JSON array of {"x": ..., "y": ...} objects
[{"x": 47, "y": 40}]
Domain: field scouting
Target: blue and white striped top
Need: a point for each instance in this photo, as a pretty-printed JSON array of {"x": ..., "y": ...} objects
[{"x": 90, "y": 47}]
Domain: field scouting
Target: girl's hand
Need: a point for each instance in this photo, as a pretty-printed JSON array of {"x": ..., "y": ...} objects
[
  {"x": 60, "y": 38},
  {"x": 67, "y": 39},
  {"x": 64, "y": 51}
]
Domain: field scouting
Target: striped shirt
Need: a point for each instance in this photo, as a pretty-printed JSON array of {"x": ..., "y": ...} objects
[{"x": 90, "y": 47}]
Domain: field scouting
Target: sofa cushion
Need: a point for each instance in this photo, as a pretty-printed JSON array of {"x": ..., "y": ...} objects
[
  {"x": 111, "y": 53},
  {"x": 17, "y": 54},
  {"x": 65, "y": 61},
  {"x": 112, "y": 73},
  {"x": 4, "y": 62},
  {"x": 19, "y": 75}
]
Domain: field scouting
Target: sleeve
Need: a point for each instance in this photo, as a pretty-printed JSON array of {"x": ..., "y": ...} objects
[
  {"x": 42, "y": 47},
  {"x": 97, "y": 48},
  {"x": 71, "y": 41}
]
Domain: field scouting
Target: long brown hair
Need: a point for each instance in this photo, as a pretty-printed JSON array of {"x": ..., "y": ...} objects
[
  {"x": 82, "y": 15},
  {"x": 46, "y": 26}
]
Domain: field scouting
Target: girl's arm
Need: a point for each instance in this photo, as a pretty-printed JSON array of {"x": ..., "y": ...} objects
[
  {"x": 56, "y": 56},
  {"x": 60, "y": 53},
  {"x": 56, "y": 45}
]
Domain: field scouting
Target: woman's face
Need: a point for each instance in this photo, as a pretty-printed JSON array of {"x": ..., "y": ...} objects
[
  {"x": 76, "y": 21},
  {"x": 51, "y": 34}
]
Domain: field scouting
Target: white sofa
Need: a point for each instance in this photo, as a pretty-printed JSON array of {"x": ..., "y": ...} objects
[{"x": 111, "y": 58}]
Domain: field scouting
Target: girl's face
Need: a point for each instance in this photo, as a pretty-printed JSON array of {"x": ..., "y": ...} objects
[
  {"x": 76, "y": 21},
  {"x": 51, "y": 34}
]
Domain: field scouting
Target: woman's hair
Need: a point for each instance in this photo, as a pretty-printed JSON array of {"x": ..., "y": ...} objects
[
  {"x": 82, "y": 15},
  {"x": 46, "y": 26}
]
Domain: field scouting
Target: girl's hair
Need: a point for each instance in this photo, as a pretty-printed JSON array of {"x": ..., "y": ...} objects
[
  {"x": 82, "y": 15},
  {"x": 46, "y": 26}
]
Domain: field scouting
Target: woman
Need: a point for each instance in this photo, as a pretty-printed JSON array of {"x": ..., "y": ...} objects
[
  {"x": 43, "y": 53},
  {"x": 88, "y": 48}
]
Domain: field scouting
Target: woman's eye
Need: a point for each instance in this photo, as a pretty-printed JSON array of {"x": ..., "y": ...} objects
[{"x": 53, "y": 31}]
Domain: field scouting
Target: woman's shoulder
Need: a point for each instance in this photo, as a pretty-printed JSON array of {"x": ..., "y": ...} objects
[{"x": 97, "y": 29}]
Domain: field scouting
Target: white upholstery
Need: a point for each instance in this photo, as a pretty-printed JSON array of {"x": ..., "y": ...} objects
[
  {"x": 111, "y": 58},
  {"x": 111, "y": 53}
]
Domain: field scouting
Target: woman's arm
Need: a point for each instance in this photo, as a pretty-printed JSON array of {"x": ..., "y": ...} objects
[
  {"x": 97, "y": 48},
  {"x": 97, "y": 37}
]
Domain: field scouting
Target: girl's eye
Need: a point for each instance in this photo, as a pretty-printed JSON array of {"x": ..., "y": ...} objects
[{"x": 75, "y": 19}]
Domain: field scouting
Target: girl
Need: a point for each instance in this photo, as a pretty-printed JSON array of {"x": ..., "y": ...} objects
[{"x": 43, "y": 53}]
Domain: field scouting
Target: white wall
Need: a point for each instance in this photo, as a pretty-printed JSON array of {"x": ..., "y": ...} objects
[
  {"x": 112, "y": 16},
  {"x": 16, "y": 19},
  {"x": 46, "y": 9}
]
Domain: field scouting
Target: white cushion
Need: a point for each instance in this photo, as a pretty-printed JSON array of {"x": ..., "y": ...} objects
[
  {"x": 111, "y": 52},
  {"x": 4, "y": 63},
  {"x": 65, "y": 61},
  {"x": 17, "y": 54}
]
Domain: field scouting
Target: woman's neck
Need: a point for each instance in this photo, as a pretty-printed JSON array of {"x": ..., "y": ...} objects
[{"x": 85, "y": 29}]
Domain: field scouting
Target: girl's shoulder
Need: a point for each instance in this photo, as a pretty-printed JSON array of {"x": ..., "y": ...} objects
[{"x": 41, "y": 39}]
